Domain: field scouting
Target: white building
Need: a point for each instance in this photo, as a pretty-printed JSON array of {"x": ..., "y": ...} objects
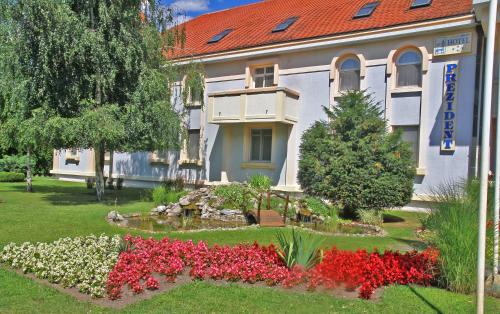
[{"x": 271, "y": 67}]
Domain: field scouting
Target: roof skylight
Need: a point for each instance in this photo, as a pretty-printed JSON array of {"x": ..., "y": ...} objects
[
  {"x": 285, "y": 24},
  {"x": 367, "y": 9},
  {"x": 219, "y": 36},
  {"x": 420, "y": 3}
]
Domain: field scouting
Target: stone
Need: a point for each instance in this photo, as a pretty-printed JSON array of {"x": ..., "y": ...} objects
[
  {"x": 176, "y": 209},
  {"x": 184, "y": 201},
  {"x": 112, "y": 215},
  {"x": 229, "y": 212},
  {"x": 203, "y": 190},
  {"x": 160, "y": 209},
  {"x": 115, "y": 216},
  {"x": 205, "y": 216}
]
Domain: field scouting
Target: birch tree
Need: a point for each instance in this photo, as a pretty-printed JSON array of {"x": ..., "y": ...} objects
[{"x": 100, "y": 74}]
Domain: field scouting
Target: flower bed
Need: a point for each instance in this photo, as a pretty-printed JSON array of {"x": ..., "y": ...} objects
[
  {"x": 246, "y": 263},
  {"x": 82, "y": 262},
  {"x": 368, "y": 271},
  {"x": 252, "y": 263},
  {"x": 95, "y": 266}
]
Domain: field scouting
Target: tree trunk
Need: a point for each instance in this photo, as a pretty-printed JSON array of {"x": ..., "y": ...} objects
[
  {"x": 29, "y": 178},
  {"x": 110, "y": 172},
  {"x": 99, "y": 171},
  {"x": 285, "y": 212}
]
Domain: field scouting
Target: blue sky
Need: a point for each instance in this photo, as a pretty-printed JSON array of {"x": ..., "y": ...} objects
[{"x": 193, "y": 8}]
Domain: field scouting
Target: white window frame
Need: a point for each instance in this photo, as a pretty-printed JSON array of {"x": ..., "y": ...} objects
[
  {"x": 190, "y": 101},
  {"x": 392, "y": 68},
  {"x": 72, "y": 154},
  {"x": 265, "y": 63},
  {"x": 397, "y": 65},
  {"x": 417, "y": 157},
  {"x": 358, "y": 70},
  {"x": 159, "y": 158},
  {"x": 186, "y": 158},
  {"x": 335, "y": 72},
  {"x": 261, "y": 148},
  {"x": 267, "y": 76},
  {"x": 247, "y": 143}
]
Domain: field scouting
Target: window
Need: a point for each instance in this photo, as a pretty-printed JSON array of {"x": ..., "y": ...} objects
[
  {"x": 285, "y": 25},
  {"x": 261, "y": 145},
  {"x": 193, "y": 86},
  {"x": 193, "y": 145},
  {"x": 367, "y": 9},
  {"x": 420, "y": 3},
  {"x": 410, "y": 134},
  {"x": 219, "y": 36},
  {"x": 409, "y": 69},
  {"x": 159, "y": 158},
  {"x": 349, "y": 75},
  {"x": 264, "y": 77},
  {"x": 72, "y": 154}
]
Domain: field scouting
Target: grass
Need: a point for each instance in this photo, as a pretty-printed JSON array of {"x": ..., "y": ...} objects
[{"x": 57, "y": 209}]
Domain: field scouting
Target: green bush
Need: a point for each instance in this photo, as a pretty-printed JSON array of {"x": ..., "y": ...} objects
[
  {"x": 235, "y": 196},
  {"x": 318, "y": 207},
  {"x": 14, "y": 163},
  {"x": 164, "y": 196},
  {"x": 278, "y": 204},
  {"x": 371, "y": 217},
  {"x": 454, "y": 221},
  {"x": 353, "y": 160},
  {"x": 260, "y": 182},
  {"x": 11, "y": 177},
  {"x": 41, "y": 163},
  {"x": 177, "y": 184},
  {"x": 299, "y": 249}
]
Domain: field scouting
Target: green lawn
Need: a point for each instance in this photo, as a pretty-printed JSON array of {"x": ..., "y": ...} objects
[{"x": 57, "y": 209}]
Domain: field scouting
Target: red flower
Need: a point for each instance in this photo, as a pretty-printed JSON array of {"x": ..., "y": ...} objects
[{"x": 251, "y": 263}]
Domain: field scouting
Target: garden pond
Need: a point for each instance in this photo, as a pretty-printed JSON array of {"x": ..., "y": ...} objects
[{"x": 190, "y": 223}]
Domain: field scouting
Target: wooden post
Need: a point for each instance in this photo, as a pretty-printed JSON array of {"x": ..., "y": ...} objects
[
  {"x": 285, "y": 212},
  {"x": 258, "y": 209},
  {"x": 268, "y": 200}
]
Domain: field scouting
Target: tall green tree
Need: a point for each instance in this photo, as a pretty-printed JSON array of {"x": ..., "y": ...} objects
[
  {"x": 99, "y": 73},
  {"x": 20, "y": 120},
  {"x": 353, "y": 160}
]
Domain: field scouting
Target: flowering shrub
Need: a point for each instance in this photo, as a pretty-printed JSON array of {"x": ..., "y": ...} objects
[
  {"x": 247, "y": 263},
  {"x": 84, "y": 262},
  {"x": 368, "y": 271}
]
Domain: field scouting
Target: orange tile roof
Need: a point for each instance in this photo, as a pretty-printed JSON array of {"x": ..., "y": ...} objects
[{"x": 252, "y": 24}]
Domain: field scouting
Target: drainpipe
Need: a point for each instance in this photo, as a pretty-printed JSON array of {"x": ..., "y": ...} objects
[{"x": 485, "y": 153}]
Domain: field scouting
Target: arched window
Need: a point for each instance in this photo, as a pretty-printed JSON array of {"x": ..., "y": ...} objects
[
  {"x": 409, "y": 69},
  {"x": 349, "y": 74}
]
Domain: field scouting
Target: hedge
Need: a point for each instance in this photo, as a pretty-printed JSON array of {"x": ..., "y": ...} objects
[{"x": 11, "y": 177}]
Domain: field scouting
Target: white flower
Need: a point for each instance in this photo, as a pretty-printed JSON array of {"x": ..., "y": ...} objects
[{"x": 83, "y": 262}]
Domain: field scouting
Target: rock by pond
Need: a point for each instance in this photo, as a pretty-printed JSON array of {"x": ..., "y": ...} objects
[{"x": 202, "y": 203}]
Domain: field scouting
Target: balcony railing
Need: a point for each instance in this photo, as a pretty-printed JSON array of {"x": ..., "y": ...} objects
[{"x": 270, "y": 104}]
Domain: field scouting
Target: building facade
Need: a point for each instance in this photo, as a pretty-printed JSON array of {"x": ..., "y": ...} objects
[{"x": 271, "y": 67}]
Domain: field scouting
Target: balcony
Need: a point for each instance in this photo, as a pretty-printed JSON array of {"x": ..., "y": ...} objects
[{"x": 270, "y": 104}]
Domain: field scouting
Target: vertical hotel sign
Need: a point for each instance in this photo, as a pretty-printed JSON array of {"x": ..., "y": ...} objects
[{"x": 451, "y": 72}]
